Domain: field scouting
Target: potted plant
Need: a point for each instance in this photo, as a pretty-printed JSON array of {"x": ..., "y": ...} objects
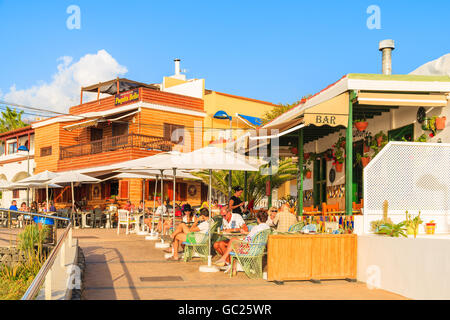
[
  {"x": 363, "y": 159},
  {"x": 361, "y": 124},
  {"x": 341, "y": 141},
  {"x": 440, "y": 123},
  {"x": 338, "y": 158},
  {"x": 422, "y": 138},
  {"x": 430, "y": 227},
  {"x": 381, "y": 138},
  {"x": 412, "y": 224},
  {"x": 393, "y": 230},
  {"x": 307, "y": 173}
]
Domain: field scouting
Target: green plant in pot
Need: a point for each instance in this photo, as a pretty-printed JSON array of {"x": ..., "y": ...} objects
[
  {"x": 380, "y": 139},
  {"x": 412, "y": 224},
  {"x": 363, "y": 159},
  {"x": 393, "y": 230}
]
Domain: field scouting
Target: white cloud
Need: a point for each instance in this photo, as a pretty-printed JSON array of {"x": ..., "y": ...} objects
[
  {"x": 64, "y": 89},
  {"x": 438, "y": 67}
]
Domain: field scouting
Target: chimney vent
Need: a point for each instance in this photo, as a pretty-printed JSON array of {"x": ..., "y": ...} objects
[
  {"x": 386, "y": 47},
  {"x": 177, "y": 67}
]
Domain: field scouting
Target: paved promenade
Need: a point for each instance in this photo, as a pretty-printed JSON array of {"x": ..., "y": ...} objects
[{"x": 128, "y": 267}]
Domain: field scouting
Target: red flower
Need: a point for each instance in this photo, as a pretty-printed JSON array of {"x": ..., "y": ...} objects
[{"x": 431, "y": 135}]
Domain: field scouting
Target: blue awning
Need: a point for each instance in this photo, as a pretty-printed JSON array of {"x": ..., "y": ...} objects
[{"x": 252, "y": 120}]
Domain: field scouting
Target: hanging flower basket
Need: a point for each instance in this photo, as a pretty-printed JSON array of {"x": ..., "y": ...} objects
[
  {"x": 306, "y": 156},
  {"x": 339, "y": 166},
  {"x": 294, "y": 150},
  {"x": 361, "y": 125},
  {"x": 365, "y": 161},
  {"x": 440, "y": 123}
]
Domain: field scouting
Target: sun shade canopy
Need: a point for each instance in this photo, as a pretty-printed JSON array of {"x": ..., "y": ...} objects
[{"x": 110, "y": 87}]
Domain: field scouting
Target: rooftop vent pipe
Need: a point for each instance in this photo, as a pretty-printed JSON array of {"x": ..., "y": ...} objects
[
  {"x": 386, "y": 47},
  {"x": 177, "y": 67}
]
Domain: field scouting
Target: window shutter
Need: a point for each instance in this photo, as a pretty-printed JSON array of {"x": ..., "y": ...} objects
[{"x": 124, "y": 189}]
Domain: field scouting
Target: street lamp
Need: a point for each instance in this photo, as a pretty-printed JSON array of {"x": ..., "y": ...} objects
[
  {"x": 25, "y": 148},
  {"x": 222, "y": 115}
]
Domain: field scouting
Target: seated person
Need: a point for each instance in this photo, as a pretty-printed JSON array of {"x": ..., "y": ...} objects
[
  {"x": 188, "y": 214},
  {"x": 285, "y": 218},
  {"x": 261, "y": 218},
  {"x": 272, "y": 214},
  {"x": 13, "y": 206},
  {"x": 52, "y": 207},
  {"x": 230, "y": 222},
  {"x": 14, "y": 215},
  {"x": 128, "y": 206},
  {"x": 180, "y": 234}
]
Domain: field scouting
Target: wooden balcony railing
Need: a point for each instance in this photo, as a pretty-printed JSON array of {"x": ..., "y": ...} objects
[{"x": 107, "y": 144}]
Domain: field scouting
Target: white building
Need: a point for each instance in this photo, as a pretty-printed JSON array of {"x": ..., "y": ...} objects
[{"x": 16, "y": 165}]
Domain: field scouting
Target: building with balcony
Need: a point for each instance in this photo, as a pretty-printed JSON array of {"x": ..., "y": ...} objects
[{"x": 130, "y": 120}]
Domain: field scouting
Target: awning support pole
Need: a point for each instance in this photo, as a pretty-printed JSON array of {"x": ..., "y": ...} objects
[
  {"x": 300, "y": 174},
  {"x": 349, "y": 158},
  {"x": 245, "y": 186},
  {"x": 269, "y": 202}
]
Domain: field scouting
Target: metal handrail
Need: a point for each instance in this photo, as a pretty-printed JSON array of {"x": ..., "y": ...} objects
[{"x": 38, "y": 281}]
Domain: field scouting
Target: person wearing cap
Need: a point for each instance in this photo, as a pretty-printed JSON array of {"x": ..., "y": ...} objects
[{"x": 235, "y": 204}]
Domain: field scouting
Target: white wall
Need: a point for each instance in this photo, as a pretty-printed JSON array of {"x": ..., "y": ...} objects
[{"x": 414, "y": 268}]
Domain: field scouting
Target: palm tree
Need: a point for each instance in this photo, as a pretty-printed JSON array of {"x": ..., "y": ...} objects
[
  {"x": 11, "y": 119},
  {"x": 256, "y": 182}
]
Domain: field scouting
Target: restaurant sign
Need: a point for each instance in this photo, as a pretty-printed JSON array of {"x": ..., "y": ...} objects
[{"x": 126, "y": 97}]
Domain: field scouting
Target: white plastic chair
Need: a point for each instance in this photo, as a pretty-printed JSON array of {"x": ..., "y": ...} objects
[{"x": 124, "y": 218}]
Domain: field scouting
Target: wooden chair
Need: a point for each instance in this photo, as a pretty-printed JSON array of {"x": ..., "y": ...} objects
[{"x": 329, "y": 208}]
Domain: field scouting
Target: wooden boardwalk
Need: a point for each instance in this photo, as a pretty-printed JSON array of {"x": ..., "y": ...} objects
[{"x": 128, "y": 267}]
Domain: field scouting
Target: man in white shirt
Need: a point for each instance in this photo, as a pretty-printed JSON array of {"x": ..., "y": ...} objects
[
  {"x": 231, "y": 222},
  {"x": 180, "y": 234},
  {"x": 261, "y": 218}
]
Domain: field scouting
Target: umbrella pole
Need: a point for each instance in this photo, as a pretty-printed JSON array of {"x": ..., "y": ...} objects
[
  {"x": 46, "y": 195},
  {"x": 209, "y": 267},
  {"x": 154, "y": 203},
  {"x": 174, "y": 199},
  {"x": 152, "y": 235},
  {"x": 162, "y": 244},
  {"x": 73, "y": 203}
]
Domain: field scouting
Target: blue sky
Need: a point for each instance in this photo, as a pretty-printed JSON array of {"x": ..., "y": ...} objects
[{"x": 271, "y": 50}]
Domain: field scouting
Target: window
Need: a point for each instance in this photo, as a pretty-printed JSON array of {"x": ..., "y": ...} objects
[
  {"x": 12, "y": 147},
  {"x": 47, "y": 151},
  {"x": 119, "y": 129},
  {"x": 402, "y": 134},
  {"x": 2, "y": 148},
  {"x": 174, "y": 133},
  {"x": 124, "y": 194},
  {"x": 16, "y": 194}
]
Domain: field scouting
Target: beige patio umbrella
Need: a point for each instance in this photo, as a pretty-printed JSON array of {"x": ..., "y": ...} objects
[
  {"x": 210, "y": 158},
  {"x": 73, "y": 177}
]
